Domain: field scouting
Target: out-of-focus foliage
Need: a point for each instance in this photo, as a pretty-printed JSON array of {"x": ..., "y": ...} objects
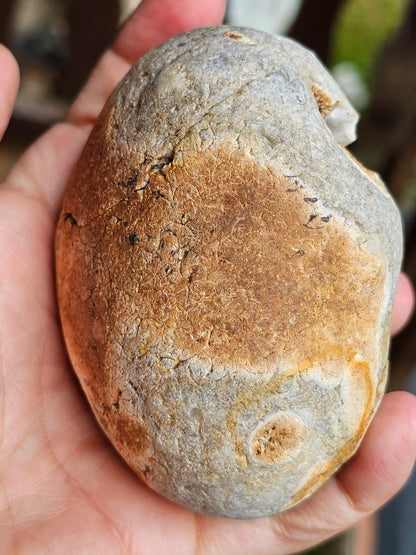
[{"x": 361, "y": 30}]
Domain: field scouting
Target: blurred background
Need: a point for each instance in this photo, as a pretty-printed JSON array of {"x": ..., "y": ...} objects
[{"x": 370, "y": 48}]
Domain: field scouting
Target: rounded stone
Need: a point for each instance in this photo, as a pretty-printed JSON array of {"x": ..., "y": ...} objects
[{"x": 226, "y": 272}]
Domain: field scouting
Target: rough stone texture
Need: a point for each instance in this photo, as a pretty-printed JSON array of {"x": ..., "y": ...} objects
[{"x": 226, "y": 272}]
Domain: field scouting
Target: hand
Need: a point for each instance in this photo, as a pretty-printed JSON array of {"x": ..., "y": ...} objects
[{"x": 62, "y": 487}]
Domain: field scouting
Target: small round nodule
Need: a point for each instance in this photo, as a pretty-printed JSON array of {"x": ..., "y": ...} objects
[{"x": 277, "y": 438}]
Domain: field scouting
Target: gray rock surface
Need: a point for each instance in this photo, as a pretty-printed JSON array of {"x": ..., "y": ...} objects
[{"x": 226, "y": 272}]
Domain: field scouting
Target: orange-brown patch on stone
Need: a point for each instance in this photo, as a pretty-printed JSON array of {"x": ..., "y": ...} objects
[
  {"x": 223, "y": 267},
  {"x": 133, "y": 439},
  {"x": 325, "y": 104},
  {"x": 233, "y": 35},
  {"x": 259, "y": 280}
]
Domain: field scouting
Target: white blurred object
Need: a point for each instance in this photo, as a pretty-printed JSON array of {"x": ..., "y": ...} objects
[
  {"x": 274, "y": 16},
  {"x": 127, "y": 7},
  {"x": 349, "y": 79}
]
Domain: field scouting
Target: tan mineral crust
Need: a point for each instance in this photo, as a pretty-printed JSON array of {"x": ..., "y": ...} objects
[{"x": 226, "y": 272}]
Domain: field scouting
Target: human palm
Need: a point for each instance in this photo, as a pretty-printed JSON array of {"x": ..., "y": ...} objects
[{"x": 62, "y": 487}]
